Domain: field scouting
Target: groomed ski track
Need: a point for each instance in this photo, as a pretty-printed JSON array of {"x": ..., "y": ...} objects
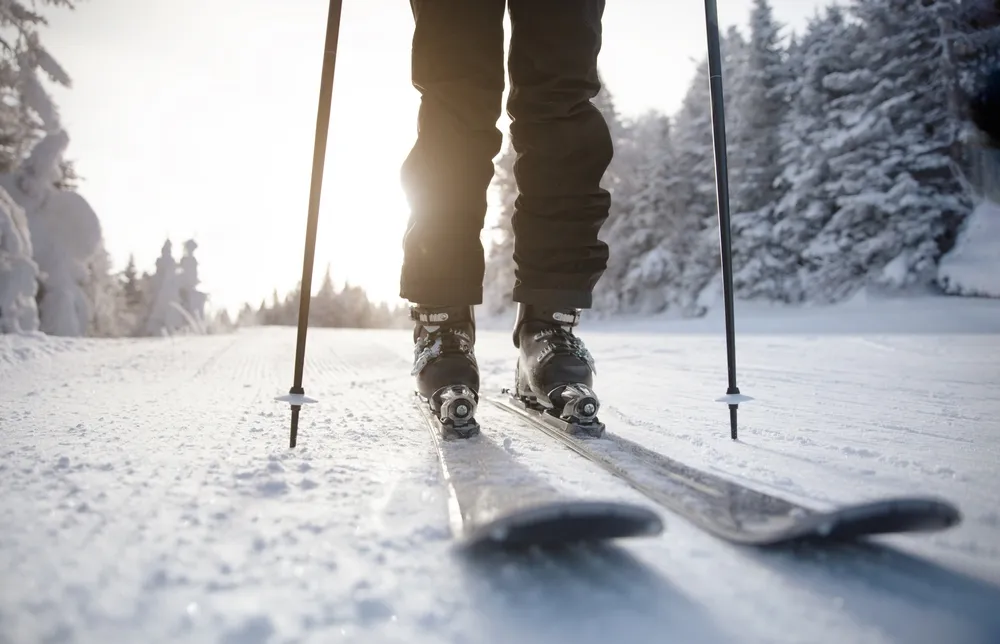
[{"x": 149, "y": 494}]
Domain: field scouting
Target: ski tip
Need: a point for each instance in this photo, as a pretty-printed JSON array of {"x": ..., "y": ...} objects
[
  {"x": 734, "y": 399},
  {"x": 296, "y": 400},
  {"x": 561, "y": 523}
]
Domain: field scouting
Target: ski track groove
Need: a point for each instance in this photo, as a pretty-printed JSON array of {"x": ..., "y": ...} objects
[
  {"x": 151, "y": 495},
  {"x": 190, "y": 483}
]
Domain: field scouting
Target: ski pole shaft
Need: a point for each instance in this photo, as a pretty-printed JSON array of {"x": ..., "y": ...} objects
[
  {"x": 722, "y": 195},
  {"x": 315, "y": 191}
]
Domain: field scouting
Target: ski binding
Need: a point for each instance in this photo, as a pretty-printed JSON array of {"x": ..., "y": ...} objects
[{"x": 453, "y": 410}]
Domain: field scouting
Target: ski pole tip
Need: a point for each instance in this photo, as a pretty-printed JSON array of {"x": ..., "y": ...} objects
[
  {"x": 294, "y": 433},
  {"x": 296, "y": 398}
]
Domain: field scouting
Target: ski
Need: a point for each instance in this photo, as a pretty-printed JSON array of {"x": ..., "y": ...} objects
[
  {"x": 495, "y": 501},
  {"x": 729, "y": 510}
]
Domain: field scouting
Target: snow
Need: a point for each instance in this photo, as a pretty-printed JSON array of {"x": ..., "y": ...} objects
[
  {"x": 861, "y": 314},
  {"x": 149, "y": 493},
  {"x": 973, "y": 266}
]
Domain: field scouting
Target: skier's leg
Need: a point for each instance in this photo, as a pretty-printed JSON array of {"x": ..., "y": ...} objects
[
  {"x": 457, "y": 66},
  {"x": 563, "y": 149}
]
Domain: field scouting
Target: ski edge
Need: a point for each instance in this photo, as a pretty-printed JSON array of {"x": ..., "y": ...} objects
[{"x": 456, "y": 522}]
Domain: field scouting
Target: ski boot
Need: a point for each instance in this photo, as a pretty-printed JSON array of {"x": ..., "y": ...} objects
[
  {"x": 444, "y": 364},
  {"x": 555, "y": 372}
]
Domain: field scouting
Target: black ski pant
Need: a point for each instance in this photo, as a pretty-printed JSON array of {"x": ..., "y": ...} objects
[{"x": 562, "y": 144}]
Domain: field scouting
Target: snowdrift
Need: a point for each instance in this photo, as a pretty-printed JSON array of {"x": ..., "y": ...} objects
[{"x": 972, "y": 268}]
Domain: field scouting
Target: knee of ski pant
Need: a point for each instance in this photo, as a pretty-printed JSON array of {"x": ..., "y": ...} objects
[{"x": 569, "y": 130}]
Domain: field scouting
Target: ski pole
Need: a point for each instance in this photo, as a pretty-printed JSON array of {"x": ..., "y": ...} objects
[
  {"x": 296, "y": 395},
  {"x": 733, "y": 397}
]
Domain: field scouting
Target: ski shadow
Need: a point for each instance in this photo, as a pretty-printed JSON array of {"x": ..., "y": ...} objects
[
  {"x": 579, "y": 594},
  {"x": 902, "y": 596}
]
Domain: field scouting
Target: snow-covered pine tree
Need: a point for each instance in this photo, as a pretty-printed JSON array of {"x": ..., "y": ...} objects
[
  {"x": 248, "y": 316},
  {"x": 26, "y": 110},
  {"x": 18, "y": 271},
  {"x": 693, "y": 240},
  {"x": 323, "y": 309},
  {"x": 191, "y": 298},
  {"x": 974, "y": 54},
  {"x": 350, "y": 307},
  {"x": 78, "y": 295},
  {"x": 735, "y": 52},
  {"x": 756, "y": 76},
  {"x": 636, "y": 144},
  {"x": 760, "y": 106},
  {"x": 272, "y": 312},
  {"x": 65, "y": 235},
  {"x": 663, "y": 203},
  {"x": 700, "y": 286},
  {"x": 109, "y": 314},
  {"x": 972, "y": 266},
  {"x": 356, "y": 307},
  {"x": 973, "y": 30},
  {"x": 806, "y": 184},
  {"x": 136, "y": 299},
  {"x": 288, "y": 312},
  {"x": 166, "y": 312},
  {"x": 899, "y": 201},
  {"x": 220, "y": 322},
  {"x": 636, "y": 275},
  {"x": 134, "y": 303},
  {"x": 621, "y": 181}
]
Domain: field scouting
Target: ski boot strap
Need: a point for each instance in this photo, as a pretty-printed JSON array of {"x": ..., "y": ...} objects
[{"x": 440, "y": 315}]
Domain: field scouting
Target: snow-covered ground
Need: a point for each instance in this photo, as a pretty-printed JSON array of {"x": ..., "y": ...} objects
[{"x": 149, "y": 494}]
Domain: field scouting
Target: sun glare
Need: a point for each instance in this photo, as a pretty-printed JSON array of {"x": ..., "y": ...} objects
[
  {"x": 364, "y": 209},
  {"x": 363, "y": 219},
  {"x": 373, "y": 125}
]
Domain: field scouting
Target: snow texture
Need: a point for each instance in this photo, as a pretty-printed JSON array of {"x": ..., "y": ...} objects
[
  {"x": 150, "y": 496},
  {"x": 973, "y": 266},
  {"x": 18, "y": 270}
]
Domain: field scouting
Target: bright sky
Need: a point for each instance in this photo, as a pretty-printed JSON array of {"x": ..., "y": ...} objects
[{"x": 195, "y": 118}]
